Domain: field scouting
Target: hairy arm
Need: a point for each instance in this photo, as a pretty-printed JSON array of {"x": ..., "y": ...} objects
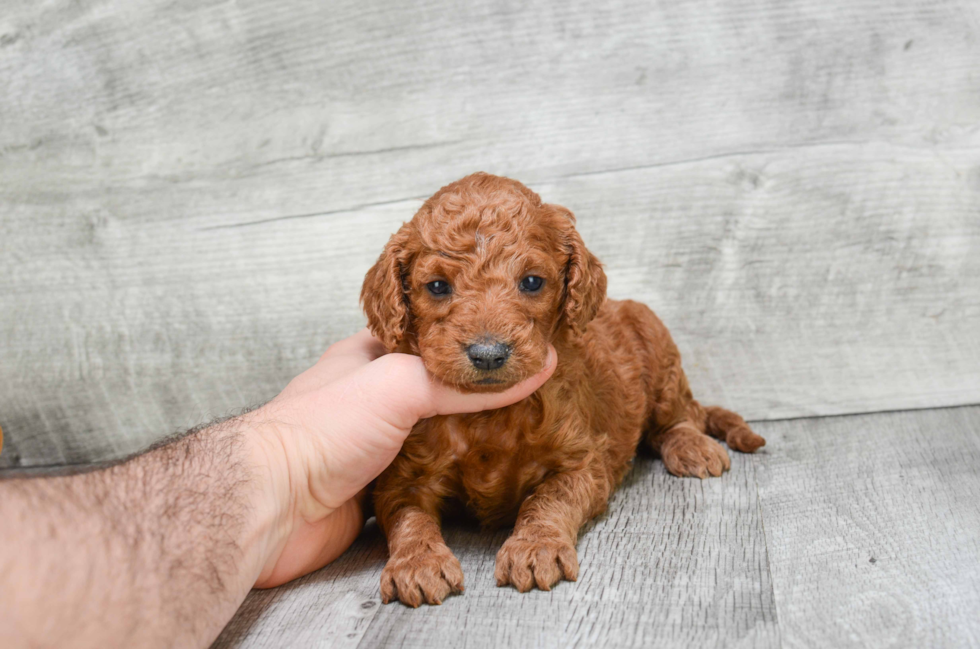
[
  {"x": 159, "y": 550},
  {"x": 162, "y": 549}
]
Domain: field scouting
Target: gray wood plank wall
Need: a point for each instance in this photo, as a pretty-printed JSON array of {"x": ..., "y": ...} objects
[{"x": 190, "y": 192}]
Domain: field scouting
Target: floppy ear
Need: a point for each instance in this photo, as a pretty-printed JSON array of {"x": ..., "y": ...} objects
[
  {"x": 585, "y": 281},
  {"x": 385, "y": 294}
]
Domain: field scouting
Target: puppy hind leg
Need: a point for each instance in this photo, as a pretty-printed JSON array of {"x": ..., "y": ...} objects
[
  {"x": 729, "y": 426},
  {"x": 687, "y": 451}
]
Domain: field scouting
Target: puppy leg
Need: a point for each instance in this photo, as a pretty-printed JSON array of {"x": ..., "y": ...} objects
[
  {"x": 687, "y": 451},
  {"x": 421, "y": 568},
  {"x": 729, "y": 426},
  {"x": 541, "y": 550},
  {"x": 407, "y": 501}
]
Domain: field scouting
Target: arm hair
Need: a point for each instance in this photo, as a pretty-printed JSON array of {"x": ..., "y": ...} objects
[{"x": 153, "y": 551}]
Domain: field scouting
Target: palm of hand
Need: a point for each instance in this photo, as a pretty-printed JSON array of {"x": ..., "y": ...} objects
[{"x": 333, "y": 430}]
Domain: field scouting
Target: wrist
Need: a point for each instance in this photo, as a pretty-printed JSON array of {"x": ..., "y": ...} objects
[{"x": 271, "y": 492}]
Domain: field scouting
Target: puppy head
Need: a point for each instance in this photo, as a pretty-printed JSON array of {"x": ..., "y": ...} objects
[{"x": 480, "y": 281}]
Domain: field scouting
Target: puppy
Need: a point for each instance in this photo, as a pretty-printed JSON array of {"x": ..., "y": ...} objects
[{"x": 478, "y": 284}]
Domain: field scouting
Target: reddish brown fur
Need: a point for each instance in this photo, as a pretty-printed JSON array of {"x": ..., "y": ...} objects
[{"x": 549, "y": 463}]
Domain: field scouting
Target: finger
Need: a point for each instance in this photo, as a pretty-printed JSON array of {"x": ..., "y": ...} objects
[
  {"x": 444, "y": 400},
  {"x": 344, "y": 357},
  {"x": 362, "y": 344},
  {"x": 398, "y": 389},
  {"x": 319, "y": 544},
  {"x": 366, "y": 344}
]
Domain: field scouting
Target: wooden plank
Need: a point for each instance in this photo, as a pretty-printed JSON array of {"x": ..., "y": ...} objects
[
  {"x": 286, "y": 108},
  {"x": 797, "y": 194},
  {"x": 839, "y": 280},
  {"x": 673, "y": 563},
  {"x": 826, "y": 280},
  {"x": 332, "y": 607},
  {"x": 873, "y": 528},
  {"x": 871, "y": 532}
]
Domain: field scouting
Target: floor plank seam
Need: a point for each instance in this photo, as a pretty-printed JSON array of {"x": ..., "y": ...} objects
[
  {"x": 885, "y": 411},
  {"x": 765, "y": 540}
]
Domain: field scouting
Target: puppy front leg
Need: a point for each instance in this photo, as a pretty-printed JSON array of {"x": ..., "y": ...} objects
[
  {"x": 541, "y": 550},
  {"x": 421, "y": 567}
]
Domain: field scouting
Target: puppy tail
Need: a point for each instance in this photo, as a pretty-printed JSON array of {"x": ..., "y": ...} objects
[{"x": 730, "y": 427}]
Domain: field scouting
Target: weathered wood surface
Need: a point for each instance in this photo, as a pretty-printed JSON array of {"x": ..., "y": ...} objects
[
  {"x": 873, "y": 529},
  {"x": 871, "y": 539},
  {"x": 190, "y": 192},
  {"x": 673, "y": 563}
]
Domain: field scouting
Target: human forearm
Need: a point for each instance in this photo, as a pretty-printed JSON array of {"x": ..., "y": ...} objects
[
  {"x": 156, "y": 551},
  {"x": 162, "y": 549}
]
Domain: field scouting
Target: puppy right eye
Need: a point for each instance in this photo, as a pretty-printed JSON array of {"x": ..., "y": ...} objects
[{"x": 439, "y": 288}]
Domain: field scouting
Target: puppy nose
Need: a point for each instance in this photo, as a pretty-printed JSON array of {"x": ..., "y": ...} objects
[{"x": 488, "y": 355}]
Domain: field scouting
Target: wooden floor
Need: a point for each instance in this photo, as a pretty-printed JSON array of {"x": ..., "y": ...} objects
[
  {"x": 192, "y": 190},
  {"x": 855, "y": 531}
]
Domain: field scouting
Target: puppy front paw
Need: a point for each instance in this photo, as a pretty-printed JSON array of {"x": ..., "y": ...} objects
[
  {"x": 526, "y": 562},
  {"x": 694, "y": 454},
  {"x": 429, "y": 577}
]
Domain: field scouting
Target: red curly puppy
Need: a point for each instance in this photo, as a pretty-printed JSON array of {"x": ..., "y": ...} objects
[{"x": 478, "y": 284}]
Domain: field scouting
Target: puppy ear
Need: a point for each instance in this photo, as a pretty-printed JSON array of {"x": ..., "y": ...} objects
[
  {"x": 385, "y": 294},
  {"x": 585, "y": 281}
]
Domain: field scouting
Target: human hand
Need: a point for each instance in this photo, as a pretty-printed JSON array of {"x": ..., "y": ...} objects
[{"x": 331, "y": 432}]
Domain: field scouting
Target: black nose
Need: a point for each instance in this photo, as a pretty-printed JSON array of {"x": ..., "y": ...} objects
[{"x": 488, "y": 355}]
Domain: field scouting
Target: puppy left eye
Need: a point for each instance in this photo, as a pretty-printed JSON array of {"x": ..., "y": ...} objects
[
  {"x": 439, "y": 288},
  {"x": 531, "y": 284}
]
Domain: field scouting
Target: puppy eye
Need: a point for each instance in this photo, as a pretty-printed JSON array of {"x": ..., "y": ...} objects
[
  {"x": 439, "y": 288},
  {"x": 531, "y": 284}
]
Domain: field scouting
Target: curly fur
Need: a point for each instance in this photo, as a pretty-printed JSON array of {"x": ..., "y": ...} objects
[{"x": 549, "y": 463}]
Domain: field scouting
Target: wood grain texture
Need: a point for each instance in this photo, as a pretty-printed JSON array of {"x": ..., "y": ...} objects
[
  {"x": 331, "y": 608},
  {"x": 871, "y": 531},
  {"x": 675, "y": 562},
  {"x": 190, "y": 192},
  {"x": 873, "y": 528},
  {"x": 861, "y": 297}
]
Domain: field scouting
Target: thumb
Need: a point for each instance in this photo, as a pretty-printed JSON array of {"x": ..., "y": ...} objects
[
  {"x": 412, "y": 393},
  {"x": 441, "y": 399}
]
